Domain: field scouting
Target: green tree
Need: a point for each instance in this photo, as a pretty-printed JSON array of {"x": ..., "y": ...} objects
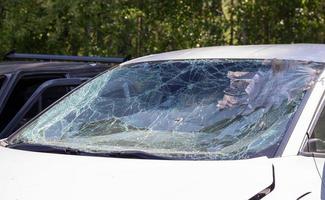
[{"x": 138, "y": 27}]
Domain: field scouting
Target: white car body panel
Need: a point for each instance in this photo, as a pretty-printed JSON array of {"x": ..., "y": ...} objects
[
  {"x": 33, "y": 176},
  {"x": 39, "y": 176},
  {"x": 294, "y": 177},
  {"x": 53, "y": 176}
]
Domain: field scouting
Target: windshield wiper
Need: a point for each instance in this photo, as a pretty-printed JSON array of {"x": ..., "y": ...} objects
[{"x": 73, "y": 151}]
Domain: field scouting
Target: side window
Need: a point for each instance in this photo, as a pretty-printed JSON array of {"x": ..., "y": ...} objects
[
  {"x": 316, "y": 142},
  {"x": 21, "y": 93}
]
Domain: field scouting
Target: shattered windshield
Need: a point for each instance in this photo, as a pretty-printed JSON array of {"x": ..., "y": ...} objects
[{"x": 190, "y": 109}]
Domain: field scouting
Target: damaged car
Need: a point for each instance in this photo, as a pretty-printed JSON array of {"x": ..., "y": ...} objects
[{"x": 232, "y": 122}]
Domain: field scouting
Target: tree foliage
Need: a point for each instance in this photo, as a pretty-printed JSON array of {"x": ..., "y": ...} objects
[{"x": 140, "y": 27}]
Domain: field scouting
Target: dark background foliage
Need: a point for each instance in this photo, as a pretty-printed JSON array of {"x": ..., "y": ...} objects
[{"x": 140, "y": 27}]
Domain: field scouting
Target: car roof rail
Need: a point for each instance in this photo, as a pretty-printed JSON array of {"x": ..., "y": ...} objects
[{"x": 12, "y": 55}]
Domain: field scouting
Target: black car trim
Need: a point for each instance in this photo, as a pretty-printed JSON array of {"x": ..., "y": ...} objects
[{"x": 267, "y": 190}]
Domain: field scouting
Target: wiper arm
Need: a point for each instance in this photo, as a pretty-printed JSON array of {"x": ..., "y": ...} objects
[{"x": 73, "y": 151}]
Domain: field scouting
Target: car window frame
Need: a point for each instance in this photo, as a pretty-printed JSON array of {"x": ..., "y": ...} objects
[
  {"x": 12, "y": 81},
  {"x": 6, "y": 89},
  {"x": 5, "y": 78},
  {"x": 2, "y": 79},
  {"x": 304, "y": 150},
  {"x": 56, "y": 102},
  {"x": 35, "y": 96}
]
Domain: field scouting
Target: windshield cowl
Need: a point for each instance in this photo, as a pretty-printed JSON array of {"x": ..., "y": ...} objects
[{"x": 72, "y": 151}]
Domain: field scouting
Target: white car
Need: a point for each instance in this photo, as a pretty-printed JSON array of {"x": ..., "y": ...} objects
[{"x": 233, "y": 122}]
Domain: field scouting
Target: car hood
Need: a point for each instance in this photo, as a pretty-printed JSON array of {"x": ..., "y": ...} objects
[{"x": 31, "y": 175}]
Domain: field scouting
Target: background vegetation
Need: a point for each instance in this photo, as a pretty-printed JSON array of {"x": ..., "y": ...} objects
[{"x": 140, "y": 27}]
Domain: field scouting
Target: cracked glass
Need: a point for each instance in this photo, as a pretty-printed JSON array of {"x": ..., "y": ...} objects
[{"x": 188, "y": 109}]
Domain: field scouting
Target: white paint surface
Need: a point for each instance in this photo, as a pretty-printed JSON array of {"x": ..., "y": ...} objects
[{"x": 35, "y": 176}]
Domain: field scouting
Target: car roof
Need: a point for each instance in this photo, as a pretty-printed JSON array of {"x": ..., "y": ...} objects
[
  {"x": 303, "y": 52},
  {"x": 14, "y": 66}
]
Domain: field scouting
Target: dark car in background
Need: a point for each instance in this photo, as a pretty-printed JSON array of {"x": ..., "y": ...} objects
[{"x": 28, "y": 87}]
